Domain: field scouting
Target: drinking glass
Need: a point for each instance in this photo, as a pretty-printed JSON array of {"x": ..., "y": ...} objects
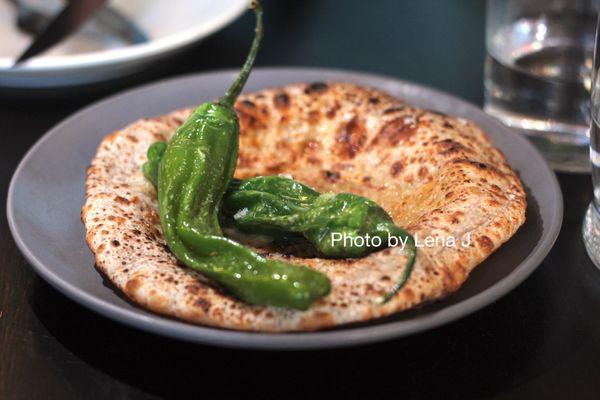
[
  {"x": 591, "y": 222},
  {"x": 538, "y": 74}
]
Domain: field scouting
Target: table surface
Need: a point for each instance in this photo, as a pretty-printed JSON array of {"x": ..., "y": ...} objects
[{"x": 542, "y": 340}]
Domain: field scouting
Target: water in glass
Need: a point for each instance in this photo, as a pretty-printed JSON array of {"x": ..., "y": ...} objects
[{"x": 537, "y": 78}]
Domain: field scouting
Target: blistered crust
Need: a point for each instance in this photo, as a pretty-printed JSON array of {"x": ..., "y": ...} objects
[{"x": 436, "y": 175}]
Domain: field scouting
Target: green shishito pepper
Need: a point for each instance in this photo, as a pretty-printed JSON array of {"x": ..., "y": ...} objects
[
  {"x": 192, "y": 173},
  {"x": 274, "y": 206},
  {"x": 193, "y": 176}
]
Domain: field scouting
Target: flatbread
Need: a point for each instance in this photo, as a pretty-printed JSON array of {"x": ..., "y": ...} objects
[{"x": 437, "y": 176}]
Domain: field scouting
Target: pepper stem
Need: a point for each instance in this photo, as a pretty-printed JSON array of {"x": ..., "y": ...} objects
[{"x": 236, "y": 87}]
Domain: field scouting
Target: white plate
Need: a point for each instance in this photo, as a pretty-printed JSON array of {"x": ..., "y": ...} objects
[{"x": 91, "y": 55}]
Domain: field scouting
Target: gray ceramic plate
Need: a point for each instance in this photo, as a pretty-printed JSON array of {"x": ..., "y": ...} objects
[{"x": 47, "y": 191}]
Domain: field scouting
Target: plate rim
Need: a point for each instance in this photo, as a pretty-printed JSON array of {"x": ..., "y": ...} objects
[{"x": 352, "y": 336}]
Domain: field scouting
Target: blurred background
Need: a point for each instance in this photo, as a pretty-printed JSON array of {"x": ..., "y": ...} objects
[{"x": 434, "y": 42}]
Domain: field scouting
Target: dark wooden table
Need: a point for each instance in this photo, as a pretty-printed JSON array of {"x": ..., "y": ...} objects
[{"x": 542, "y": 340}]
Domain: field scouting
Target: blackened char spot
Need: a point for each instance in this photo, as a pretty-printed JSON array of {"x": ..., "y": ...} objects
[
  {"x": 350, "y": 138},
  {"x": 193, "y": 289},
  {"x": 449, "y": 146},
  {"x": 331, "y": 176},
  {"x": 396, "y": 131},
  {"x": 121, "y": 200},
  {"x": 250, "y": 116},
  {"x": 396, "y": 168},
  {"x": 316, "y": 88},
  {"x": 487, "y": 167},
  {"x": 275, "y": 168},
  {"x": 203, "y": 304},
  {"x": 392, "y": 110},
  {"x": 281, "y": 101},
  {"x": 333, "y": 111},
  {"x": 248, "y": 103}
]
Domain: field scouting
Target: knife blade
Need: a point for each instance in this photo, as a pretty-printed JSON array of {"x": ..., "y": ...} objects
[
  {"x": 32, "y": 22},
  {"x": 68, "y": 20},
  {"x": 114, "y": 22}
]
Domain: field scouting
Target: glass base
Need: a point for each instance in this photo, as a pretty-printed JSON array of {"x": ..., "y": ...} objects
[
  {"x": 565, "y": 146},
  {"x": 591, "y": 234}
]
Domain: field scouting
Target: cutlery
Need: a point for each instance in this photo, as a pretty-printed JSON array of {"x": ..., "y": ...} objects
[
  {"x": 68, "y": 20},
  {"x": 33, "y": 22}
]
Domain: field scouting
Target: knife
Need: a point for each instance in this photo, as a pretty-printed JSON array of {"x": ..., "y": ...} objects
[
  {"x": 114, "y": 22},
  {"x": 33, "y": 22},
  {"x": 70, "y": 18}
]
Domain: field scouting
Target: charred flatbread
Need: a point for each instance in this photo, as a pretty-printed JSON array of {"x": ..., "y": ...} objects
[{"x": 437, "y": 176}]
